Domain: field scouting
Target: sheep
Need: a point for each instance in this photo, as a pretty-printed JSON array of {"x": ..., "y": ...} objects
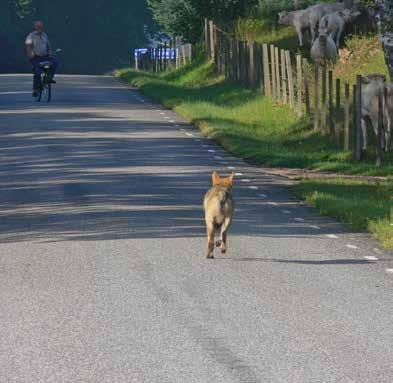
[
  {"x": 308, "y": 18},
  {"x": 324, "y": 51},
  {"x": 335, "y": 23},
  {"x": 298, "y": 19},
  {"x": 372, "y": 86}
]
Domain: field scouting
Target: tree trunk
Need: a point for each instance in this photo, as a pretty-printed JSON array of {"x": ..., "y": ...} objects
[{"x": 385, "y": 24}]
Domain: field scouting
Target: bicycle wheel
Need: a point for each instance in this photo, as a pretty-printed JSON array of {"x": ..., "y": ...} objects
[{"x": 47, "y": 91}]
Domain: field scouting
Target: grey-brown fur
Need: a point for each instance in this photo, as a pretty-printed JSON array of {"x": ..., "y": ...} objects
[{"x": 218, "y": 204}]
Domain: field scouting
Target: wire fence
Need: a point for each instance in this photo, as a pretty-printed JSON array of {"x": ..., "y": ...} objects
[
  {"x": 171, "y": 54},
  {"x": 334, "y": 107}
]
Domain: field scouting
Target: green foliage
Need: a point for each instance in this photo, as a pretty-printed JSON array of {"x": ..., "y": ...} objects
[
  {"x": 255, "y": 128},
  {"x": 364, "y": 205},
  {"x": 186, "y": 17},
  {"x": 95, "y": 35},
  {"x": 248, "y": 124}
]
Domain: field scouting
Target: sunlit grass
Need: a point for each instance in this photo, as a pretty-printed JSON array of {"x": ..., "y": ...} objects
[{"x": 363, "y": 205}]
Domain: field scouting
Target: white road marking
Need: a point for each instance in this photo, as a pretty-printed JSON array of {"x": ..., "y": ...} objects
[
  {"x": 299, "y": 219},
  {"x": 246, "y": 180},
  {"x": 172, "y": 121},
  {"x": 389, "y": 271},
  {"x": 286, "y": 211},
  {"x": 167, "y": 117},
  {"x": 332, "y": 236},
  {"x": 253, "y": 187},
  {"x": 316, "y": 227},
  {"x": 238, "y": 174},
  {"x": 351, "y": 246},
  {"x": 231, "y": 168},
  {"x": 273, "y": 203},
  {"x": 211, "y": 151},
  {"x": 162, "y": 113},
  {"x": 218, "y": 157},
  {"x": 371, "y": 258},
  {"x": 262, "y": 195},
  {"x": 189, "y": 135}
]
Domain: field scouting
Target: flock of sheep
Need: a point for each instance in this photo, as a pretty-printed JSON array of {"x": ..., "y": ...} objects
[{"x": 326, "y": 22}]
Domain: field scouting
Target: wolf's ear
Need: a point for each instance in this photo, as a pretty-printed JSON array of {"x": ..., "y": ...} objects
[
  {"x": 231, "y": 177},
  {"x": 215, "y": 179},
  {"x": 229, "y": 180}
]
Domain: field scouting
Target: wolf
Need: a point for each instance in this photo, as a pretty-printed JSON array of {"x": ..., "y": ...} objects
[{"x": 218, "y": 204}]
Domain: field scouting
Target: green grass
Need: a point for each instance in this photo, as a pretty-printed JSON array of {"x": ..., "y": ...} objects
[
  {"x": 255, "y": 128},
  {"x": 248, "y": 124},
  {"x": 363, "y": 205}
]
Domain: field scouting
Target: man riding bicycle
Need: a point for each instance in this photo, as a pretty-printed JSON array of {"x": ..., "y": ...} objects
[{"x": 38, "y": 50}]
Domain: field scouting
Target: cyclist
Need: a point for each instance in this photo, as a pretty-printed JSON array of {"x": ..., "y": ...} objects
[{"x": 38, "y": 50}]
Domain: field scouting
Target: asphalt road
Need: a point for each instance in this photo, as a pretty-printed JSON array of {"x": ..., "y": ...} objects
[{"x": 102, "y": 269}]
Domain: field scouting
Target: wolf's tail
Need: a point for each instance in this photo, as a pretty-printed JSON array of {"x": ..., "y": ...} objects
[{"x": 224, "y": 197}]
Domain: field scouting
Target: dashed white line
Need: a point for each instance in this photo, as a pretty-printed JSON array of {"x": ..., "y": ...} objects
[
  {"x": 262, "y": 195},
  {"x": 389, "y": 271},
  {"x": 246, "y": 180},
  {"x": 253, "y": 187},
  {"x": 299, "y": 219},
  {"x": 211, "y": 151},
  {"x": 273, "y": 203},
  {"x": 351, "y": 246},
  {"x": 189, "y": 135},
  {"x": 316, "y": 227},
  {"x": 286, "y": 211},
  {"x": 238, "y": 174},
  {"x": 332, "y": 236},
  {"x": 371, "y": 258},
  {"x": 231, "y": 168}
]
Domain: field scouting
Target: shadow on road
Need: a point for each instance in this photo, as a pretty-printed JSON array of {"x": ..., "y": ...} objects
[{"x": 97, "y": 173}]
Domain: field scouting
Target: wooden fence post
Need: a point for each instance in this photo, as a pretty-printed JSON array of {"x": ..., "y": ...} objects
[
  {"x": 290, "y": 80},
  {"x": 165, "y": 55},
  {"x": 358, "y": 113},
  {"x": 273, "y": 71},
  {"x": 212, "y": 44},
  {"x": 251, "y": 74},
  {"x": 380, "y": 130},
  {"x": 306, "y": 87},
  {"x": 266, "y": 71},
  {"x": 316, "y": 99},
  {"x": 284, "y": 77},
  {"x": 331, "y": 103},
  {"x": 299, "y": 85},
  {"x": 324, "y": 103},
  {"x": 278, "y": 80},
  {"x": 346, "y": 117},
  {"x": 207, "y": 47},
  {"x": 338, "y": 112}
]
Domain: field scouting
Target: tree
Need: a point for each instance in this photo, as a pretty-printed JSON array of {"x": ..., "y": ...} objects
[{"x": 185, "y": 17}]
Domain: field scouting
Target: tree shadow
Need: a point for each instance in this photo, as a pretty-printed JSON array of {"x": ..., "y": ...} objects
[{"x": 100, "y": 171}]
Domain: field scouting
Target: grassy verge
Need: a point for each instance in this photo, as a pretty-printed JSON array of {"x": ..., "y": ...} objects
[
  {"x": 257, "y": 129},
  {"x": 363, "y": 205},
  {"x": 248, "y": 124}
]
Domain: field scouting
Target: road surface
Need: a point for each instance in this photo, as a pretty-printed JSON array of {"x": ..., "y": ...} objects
[{"x": 102, "y": 270}]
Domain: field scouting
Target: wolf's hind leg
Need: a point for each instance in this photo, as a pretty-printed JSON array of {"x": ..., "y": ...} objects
[
  {"x": 224, "y": 231},
  {"x": 210, "y": 240}
]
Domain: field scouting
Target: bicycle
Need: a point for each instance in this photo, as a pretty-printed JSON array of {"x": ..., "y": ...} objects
[{"x": 46, "y": 82}]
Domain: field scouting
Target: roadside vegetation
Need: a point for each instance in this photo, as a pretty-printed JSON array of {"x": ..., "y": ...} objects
[{"x": 265, "y": 132}]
